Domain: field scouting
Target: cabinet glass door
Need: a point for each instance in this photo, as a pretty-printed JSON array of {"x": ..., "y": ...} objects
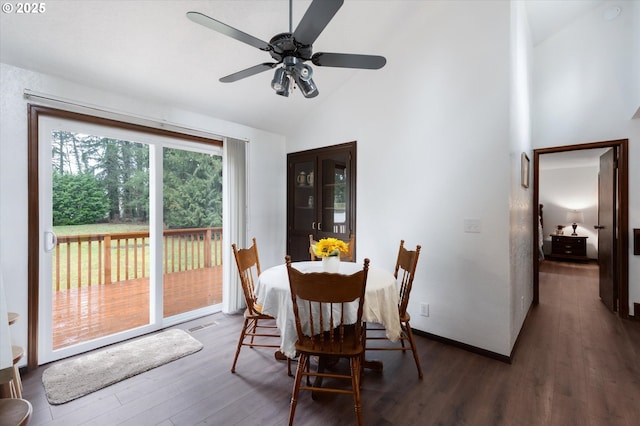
[
  {"x": 335, "y": 194},
  {"x": 304, "y": 217}
]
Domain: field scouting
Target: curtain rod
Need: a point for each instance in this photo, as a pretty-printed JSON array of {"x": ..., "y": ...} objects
[{"x": 76, "y": 106}]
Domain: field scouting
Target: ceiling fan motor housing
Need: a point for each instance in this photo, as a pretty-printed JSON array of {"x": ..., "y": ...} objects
[{"x": 285, "y": 45}]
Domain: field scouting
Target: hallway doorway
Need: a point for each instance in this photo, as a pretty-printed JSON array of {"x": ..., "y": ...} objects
[{"x": 617, "y": 296}]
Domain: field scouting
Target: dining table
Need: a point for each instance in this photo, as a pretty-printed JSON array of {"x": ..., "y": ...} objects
[{"x": 380, "y": 300}]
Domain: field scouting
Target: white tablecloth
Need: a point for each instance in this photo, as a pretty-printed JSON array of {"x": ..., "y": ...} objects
[{"x": 380, "y": 300}]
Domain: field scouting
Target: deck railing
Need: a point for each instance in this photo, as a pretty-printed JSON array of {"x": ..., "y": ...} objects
[{"x": 94, "y": 259}]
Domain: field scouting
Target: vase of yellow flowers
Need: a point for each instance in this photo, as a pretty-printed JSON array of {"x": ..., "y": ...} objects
[{"x": 329, "y": 250}]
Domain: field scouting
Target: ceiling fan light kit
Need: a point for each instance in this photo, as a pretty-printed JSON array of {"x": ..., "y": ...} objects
[
  {"x": 291, "y": 50},
  {"x": 294, "y": 70}
]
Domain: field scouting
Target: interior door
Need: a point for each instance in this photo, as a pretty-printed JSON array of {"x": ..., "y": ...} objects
[{"x": 606, "y": 229}]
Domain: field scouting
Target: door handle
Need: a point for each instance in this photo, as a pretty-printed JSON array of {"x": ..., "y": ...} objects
[
  {"x": 598, "y": 227},
  {"x": 51, "y": 242}
]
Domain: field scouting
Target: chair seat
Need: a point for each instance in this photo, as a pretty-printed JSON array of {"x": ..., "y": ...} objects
[
  {"x": 14, "y": 411},
  {"x": 259, "y": 315},
  {"x": 17, "y": 353}
]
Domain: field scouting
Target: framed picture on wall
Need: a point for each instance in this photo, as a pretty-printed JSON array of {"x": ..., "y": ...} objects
[{"x": 524, "y": 170}]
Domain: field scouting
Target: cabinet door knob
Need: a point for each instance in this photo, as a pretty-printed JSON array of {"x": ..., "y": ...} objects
[{"x": 598, "y": 227}]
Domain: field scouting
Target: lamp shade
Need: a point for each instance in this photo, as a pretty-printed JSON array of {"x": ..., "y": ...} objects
[{"x": 575, "y": 216}]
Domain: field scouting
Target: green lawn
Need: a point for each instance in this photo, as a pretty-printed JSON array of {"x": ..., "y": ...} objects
[
  {"x": 135, "y": 266},
  {"x": 98, "y": 228}
]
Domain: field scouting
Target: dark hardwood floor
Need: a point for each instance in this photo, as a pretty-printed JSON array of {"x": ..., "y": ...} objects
[{"x": 575, "y": 364}]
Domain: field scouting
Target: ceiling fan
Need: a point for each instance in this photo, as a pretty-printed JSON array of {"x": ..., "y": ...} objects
[{"x": 293, "y": 49}]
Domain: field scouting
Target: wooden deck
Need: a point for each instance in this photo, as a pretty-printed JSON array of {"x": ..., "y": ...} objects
[{"x": 100, "y": 310}]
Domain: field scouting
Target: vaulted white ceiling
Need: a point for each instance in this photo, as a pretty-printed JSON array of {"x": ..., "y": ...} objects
[
  {"x": 546, "y": 17},
  {"x": 149, "y": 50}
]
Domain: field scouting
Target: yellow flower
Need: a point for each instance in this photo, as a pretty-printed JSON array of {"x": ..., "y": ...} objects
[{"x": 330, "y": 247}]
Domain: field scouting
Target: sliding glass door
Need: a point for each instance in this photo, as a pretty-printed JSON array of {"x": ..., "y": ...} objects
[
  {"x": 130, "y": 226},
  {"x": 192, "y": 231}
]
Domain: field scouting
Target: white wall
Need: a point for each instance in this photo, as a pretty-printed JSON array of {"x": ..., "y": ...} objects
[
  {"x": 267, "y": 173},
  {"x": 520, "y": 197},
  {"x": 563, "y": 189},
  {"x": 433, "y": 136},
  {"x": 584, "y": 91}
]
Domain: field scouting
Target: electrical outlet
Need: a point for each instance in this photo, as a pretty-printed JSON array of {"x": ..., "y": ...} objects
[
  {"x": 424, "y": 309},
  {"x": 472, "y": 226}
]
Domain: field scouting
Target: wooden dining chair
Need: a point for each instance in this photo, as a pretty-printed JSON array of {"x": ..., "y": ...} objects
[
  {"x": 405, "y": 270},
  {"x": 248, "y": 264},
  {"x": 348, "y": 256},
  {"x": 14, "y": 386},
  {"x": 321, "y": 305}
]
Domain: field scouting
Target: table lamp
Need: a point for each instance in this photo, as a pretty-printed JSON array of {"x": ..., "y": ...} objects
[{"x": 574, "y": 216}]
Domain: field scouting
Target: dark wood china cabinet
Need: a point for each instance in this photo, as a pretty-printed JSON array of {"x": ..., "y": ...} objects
[{"x": 321, "y": 196}]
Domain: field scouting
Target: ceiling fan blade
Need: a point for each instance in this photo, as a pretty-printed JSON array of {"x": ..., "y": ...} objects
[
  {"x": 348, "y": 60},
  {"x": 227, "y": 30},
  {"x": 256, "y": 69},
  {"x": 315, "y": 19}
]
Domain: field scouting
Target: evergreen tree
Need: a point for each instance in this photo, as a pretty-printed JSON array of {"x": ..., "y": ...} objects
[
  {"x": 192, "y": 189},
  {"x": 110, "y": 177},
  {"x": 192, "y": 182},
  {"x": 78, "y": 199}
]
